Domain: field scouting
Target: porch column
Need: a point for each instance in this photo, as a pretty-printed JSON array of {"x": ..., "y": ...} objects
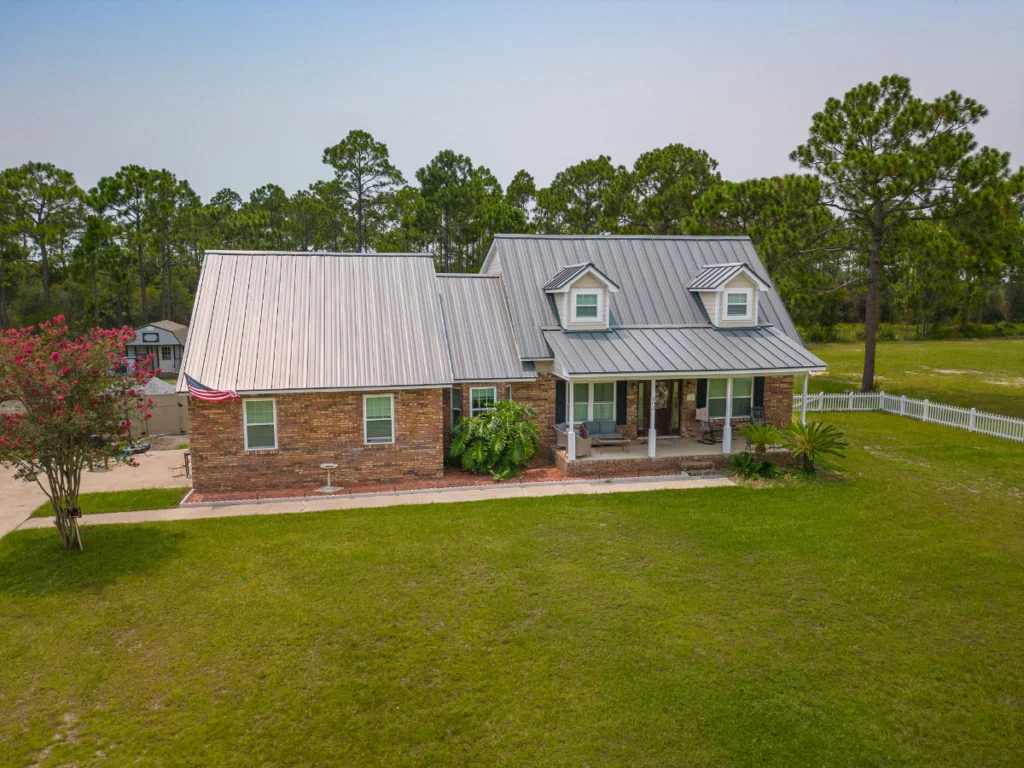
[
  {"x": 652, "y": 433},
  {"x": 803, "y": 402},
  {"x": 570, "y": 451},
  {"x": 727, "y": 427}
]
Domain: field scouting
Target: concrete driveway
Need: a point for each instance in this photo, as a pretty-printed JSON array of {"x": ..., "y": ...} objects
[{"x": 18, "y": 498}]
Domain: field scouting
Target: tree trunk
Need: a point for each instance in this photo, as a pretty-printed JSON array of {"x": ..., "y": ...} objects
[
  {"x": 3, "y": 294},
  {"x": 142, "y": 286},
  {"x": 44, "y": 266},
  {"x": 871, "y": 310}
]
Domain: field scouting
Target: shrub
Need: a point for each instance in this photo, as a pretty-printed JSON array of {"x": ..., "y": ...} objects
[
  {"x": 814, "y": 439},
  {"x": 749, "y": 466},
  {"x": 500, "y": 441},
  {"x": 761, "y": 436}
]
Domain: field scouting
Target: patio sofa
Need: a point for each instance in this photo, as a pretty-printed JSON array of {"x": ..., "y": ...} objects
[
  {"x": 604, "y": 433},
  {"x": 582, "y": 443}
]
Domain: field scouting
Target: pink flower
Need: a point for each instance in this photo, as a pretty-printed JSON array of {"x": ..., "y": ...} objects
[
  {"x": 55, "y": 357},
  {"x": 60, "y": 398}
]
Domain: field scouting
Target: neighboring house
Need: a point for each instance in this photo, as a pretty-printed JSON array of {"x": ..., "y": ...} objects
[
  {"x": 367, "y": 361},
  {"x": 164, "y": 340}
]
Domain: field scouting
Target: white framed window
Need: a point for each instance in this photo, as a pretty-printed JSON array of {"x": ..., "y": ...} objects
[
  {"x": 260, "y": 422},
  {"x": 378, "y": 419},
  {"x": 586, "y": 306},
  {"x": 482, "y": 398},
  {"x": 165, "y": 353},
  {"x": 593, "y": 401},
  {"x": 456, "y": 405},
  {"x": 742, "y": 398},
  {"x": 739, "y": 304}
]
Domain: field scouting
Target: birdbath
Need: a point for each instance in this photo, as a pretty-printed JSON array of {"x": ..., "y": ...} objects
[{"x": 328, "y": 488}]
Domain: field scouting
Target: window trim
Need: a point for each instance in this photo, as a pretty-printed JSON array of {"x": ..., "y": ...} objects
[
  {"x": 494, "y": 400},
  {"x": 575, "y": 292},
  {"x": 150, "y": 337},
  {"x": 391, "y": 418},
  {"x": 734, "y": 397},
  {"x": 246, "y": 424},
  {"x": 590, "y": 400},
  {"x": 746, "y": 292},
  {"x": 456, "y": 397}
]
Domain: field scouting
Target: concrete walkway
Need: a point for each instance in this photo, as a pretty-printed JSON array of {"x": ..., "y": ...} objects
[{"x": 431, "y": 496}]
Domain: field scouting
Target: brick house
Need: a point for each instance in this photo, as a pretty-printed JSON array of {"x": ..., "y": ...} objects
[{"x": 367, "y": 361}]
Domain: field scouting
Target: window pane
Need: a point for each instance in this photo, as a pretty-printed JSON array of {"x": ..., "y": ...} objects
[
  {"x": 581, "y": 393},
  {"x": 737, "y": 298},
  {"x": 741, "y": 406},
  {"x": 586, "y": 311},
  {"x": 604, "y": 392},
  {"x": 261, "y": 437},
  {"x": 716, "y": 408},
  {"x": 742, "y": 387},
  {"x": 259, "y": 411},
  {"x": 604, "y": 411},
  {"x": 378, "y": 429},
  {"x": 737, "y": 304},
  {"x": 589, "y": 299},
  {"x": 579, "y": 412},
  {"x": 378, "y": 407},
  {"x": 716, "y": 387},
  {"x": 481, "y": 398}
]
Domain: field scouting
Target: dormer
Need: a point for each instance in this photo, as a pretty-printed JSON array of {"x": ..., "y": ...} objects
[
  {"x": 729, "y": 293},
  {"x": 582, "y": 294}
]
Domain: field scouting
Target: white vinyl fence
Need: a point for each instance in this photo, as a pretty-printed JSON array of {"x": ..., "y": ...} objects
[{"x": 970, "y": 419}]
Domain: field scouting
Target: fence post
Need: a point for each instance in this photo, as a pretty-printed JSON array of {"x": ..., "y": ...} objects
[
  {"x": 881, "y": 400},
  {"x": 849, "y": 405},
  {"x": 971, "y": 419},
  {"x": 924, "y": 413},
  {"x": 903, "y": 405}
]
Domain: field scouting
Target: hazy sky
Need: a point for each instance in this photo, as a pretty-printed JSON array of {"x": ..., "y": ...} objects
[{"x": 242, "y": 94}]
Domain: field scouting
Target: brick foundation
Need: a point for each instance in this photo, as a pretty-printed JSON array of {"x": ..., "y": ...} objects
[{"x": 314, "y": 429}]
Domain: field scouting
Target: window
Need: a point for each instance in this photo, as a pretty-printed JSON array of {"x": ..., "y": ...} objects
[
  {"x": 742, "y": 398},
  {"x": 481, "y": 398},
  {"x": 377, "y": 419},
  {"x": 737, "y": 304},
  {"x": 456, "y": 405},
  {"x": 165, "y": 353},
  {"x": 586, "y": 306},
  {"x": 593, "y": 402},
  {"x": 260, "y": 425},
  {"x": 151, "y": 338}
]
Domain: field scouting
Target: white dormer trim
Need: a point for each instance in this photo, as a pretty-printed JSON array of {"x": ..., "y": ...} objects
[
  {"x": 610, "y": 285},
  {"x": 725, "y": 274},
  {"x": 748, "y": 293}
]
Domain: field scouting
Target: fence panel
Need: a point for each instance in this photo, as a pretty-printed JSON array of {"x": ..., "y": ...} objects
[{"x": 948, "y": 415}]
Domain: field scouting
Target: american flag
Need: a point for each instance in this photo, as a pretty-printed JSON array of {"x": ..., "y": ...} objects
[{"x": 200, "y": 392}]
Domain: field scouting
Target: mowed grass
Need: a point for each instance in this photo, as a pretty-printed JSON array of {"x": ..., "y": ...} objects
[
  {"x": 122, "y": 501},
  {"x": 983, "y": 374},
  {"x": 876, "y": 621}
]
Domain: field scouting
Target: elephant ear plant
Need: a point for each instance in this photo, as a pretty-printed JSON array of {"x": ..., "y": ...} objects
[
  {"x": 501, "y": 441},
  {"x": 809, "y": 441}
]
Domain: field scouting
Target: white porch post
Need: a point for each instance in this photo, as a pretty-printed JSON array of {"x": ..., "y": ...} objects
[
  {"x": 727, "y": 427},
  {"x": 569, "y": 425},
  {"x": 803, "y": 402},
  {"x": 652, "y": 433}
]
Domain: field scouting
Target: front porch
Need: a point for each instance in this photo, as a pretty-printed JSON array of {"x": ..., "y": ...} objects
[{"x": 672, "y": 455}]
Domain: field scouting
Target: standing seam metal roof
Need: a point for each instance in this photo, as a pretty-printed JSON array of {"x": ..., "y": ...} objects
[
  {"x": 480, "y": 336},
  {"x": 652, "y": 272},
  {"x": 274, "y": 322},
  {"x": 698, "y": 350},
  {"x": 711, "y": 276}
]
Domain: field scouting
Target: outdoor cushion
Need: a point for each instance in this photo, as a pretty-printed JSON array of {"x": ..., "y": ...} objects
[{"x": 606, "y": 427}]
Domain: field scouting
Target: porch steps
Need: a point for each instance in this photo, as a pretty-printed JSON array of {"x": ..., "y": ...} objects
[{"x": 698, "y": 468}]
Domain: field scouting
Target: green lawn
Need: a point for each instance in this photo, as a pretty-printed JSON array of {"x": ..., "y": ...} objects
[
  {"x": 879, "y": 621},
  {"x": 984, "y": 374},
  {"x": 122, "y": 501}
]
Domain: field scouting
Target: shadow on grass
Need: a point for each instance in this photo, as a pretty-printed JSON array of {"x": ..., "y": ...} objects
[{"x": 32, "y": 562}]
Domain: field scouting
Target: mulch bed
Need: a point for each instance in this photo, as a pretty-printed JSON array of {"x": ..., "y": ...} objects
[{"x": 453, "y": 478}]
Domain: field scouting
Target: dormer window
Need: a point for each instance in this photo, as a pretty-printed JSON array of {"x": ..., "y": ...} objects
[
  {"x": 738, "y": 303},
  {"x": 586, "y": 306}
]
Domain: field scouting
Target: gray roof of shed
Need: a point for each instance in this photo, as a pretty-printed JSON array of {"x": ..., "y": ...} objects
[
  {"x": 695, "y": 349},
  {"x": 653, "y": 273},
  {"x": 480, "y": 336},
  {"x": 276, "y": 322}
]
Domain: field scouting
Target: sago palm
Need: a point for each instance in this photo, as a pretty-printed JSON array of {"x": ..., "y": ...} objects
[{"x": 809, "y": 441}]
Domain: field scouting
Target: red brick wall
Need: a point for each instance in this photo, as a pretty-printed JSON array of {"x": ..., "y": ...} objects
[
  {"x": 314, "y": 429},
  {"x": 778, "y": 400},
  {"x": 538, "y": 394}
]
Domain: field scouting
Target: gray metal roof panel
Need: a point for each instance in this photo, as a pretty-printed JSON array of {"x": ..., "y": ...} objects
[
  {"x": 565, "y": 276},
  {"x": 480, "y": 337},
  {"x": 273, "y": 322},
  {"x": 653, "y": 274},
  {"x": 695, "y": 349}
]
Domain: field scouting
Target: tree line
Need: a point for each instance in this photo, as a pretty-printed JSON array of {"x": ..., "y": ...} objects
[{"x": 896, "y": 216}]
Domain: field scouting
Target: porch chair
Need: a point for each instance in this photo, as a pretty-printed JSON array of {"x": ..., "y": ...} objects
[
  {"x": 707, "y": 433},
  {"x": 757, "y": 415}
]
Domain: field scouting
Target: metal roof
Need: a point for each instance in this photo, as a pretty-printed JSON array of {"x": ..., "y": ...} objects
[
  {"x": 695, "y": 350},
  {"x": 653, "y": 273},
  {"x": 712, "y": 276},
  {"x": 479, "y": 330},
  {"x": 276, "y": 322},
  {"x": 568, "y": 274}
]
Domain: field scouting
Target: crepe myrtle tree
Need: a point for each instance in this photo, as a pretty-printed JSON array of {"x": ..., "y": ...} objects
[{"x": 67, "y": 402}]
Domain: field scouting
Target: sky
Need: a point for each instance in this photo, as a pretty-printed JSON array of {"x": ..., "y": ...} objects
[{"x": 239, "y": 95}]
